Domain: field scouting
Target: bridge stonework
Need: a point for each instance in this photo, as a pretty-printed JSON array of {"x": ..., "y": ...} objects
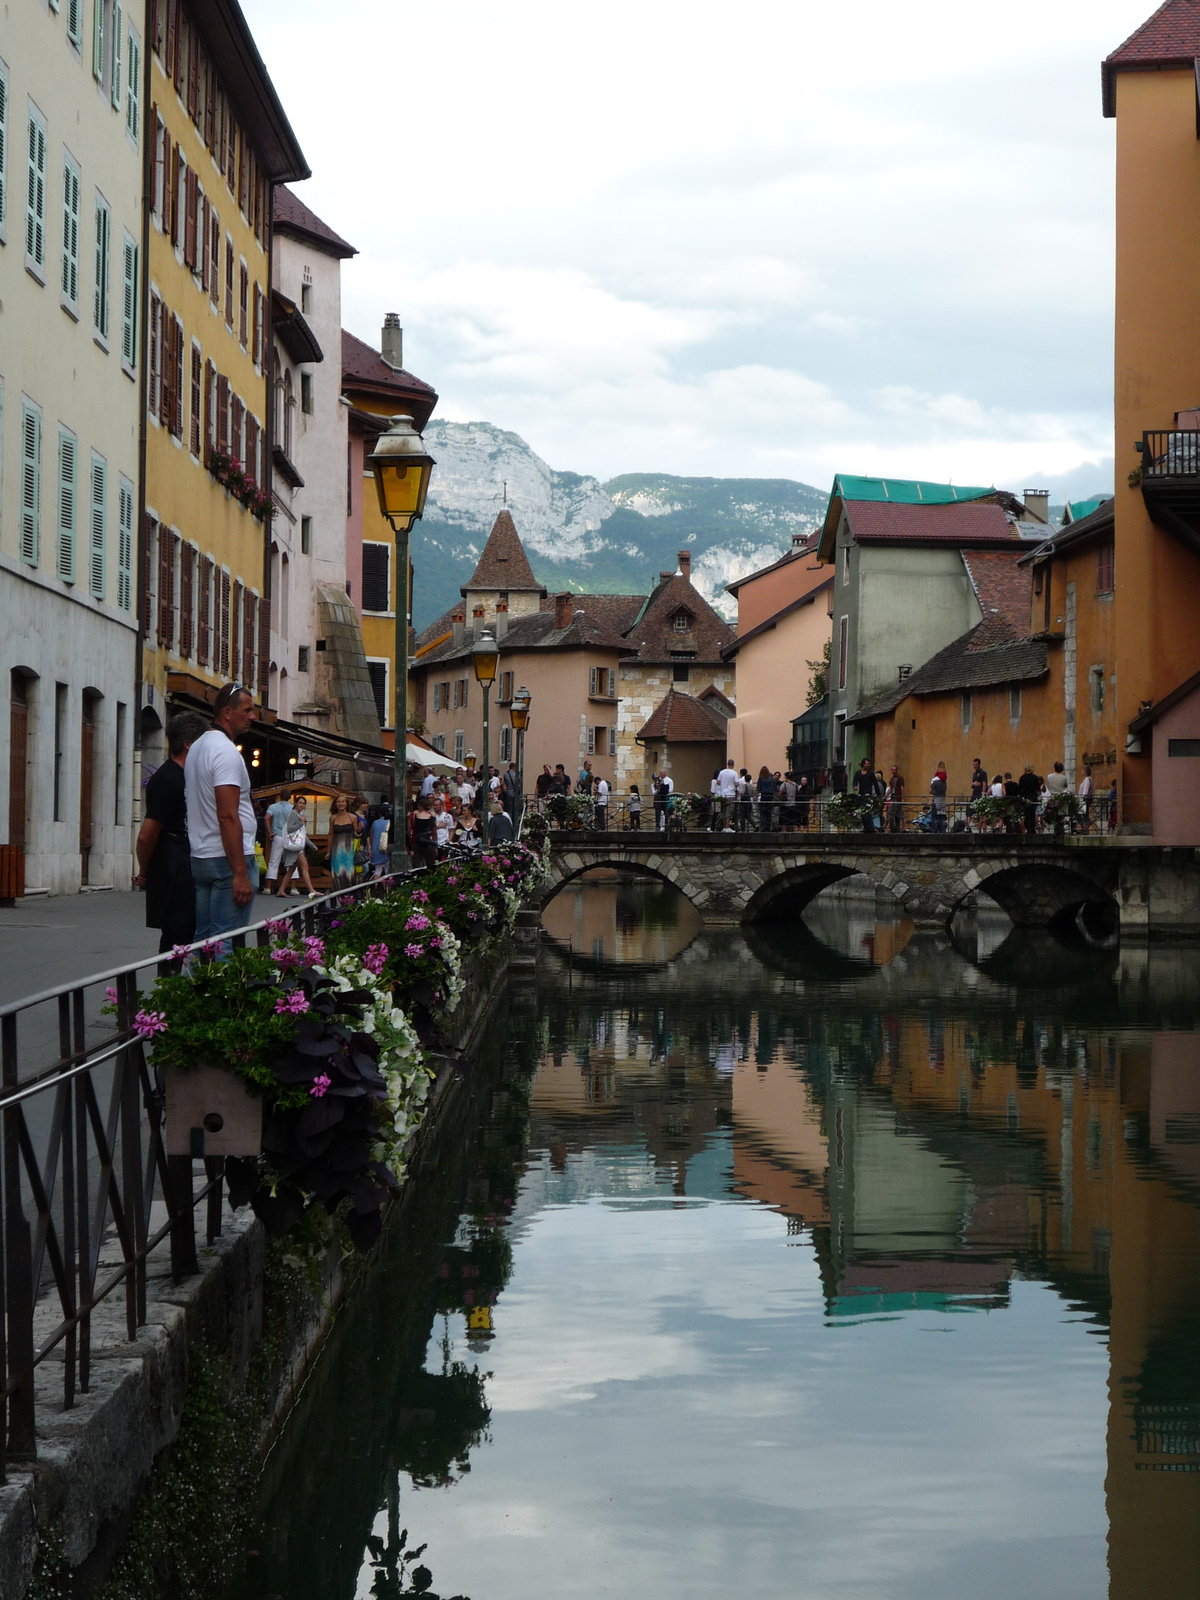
[{"x": 1039, "y": 881}]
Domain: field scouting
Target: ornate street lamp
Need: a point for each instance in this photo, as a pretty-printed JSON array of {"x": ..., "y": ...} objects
[
  {"x": 519, "y": 712},
  {"x": 402, "y": 469},
  {"x": 485, "y": 653}
]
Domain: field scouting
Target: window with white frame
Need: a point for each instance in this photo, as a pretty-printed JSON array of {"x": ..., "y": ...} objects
[
  {"x": 1014, "y": 703},
  {"x": 376, "y": 577},
  {"x": 75, "y": 23},
  {"x": 118, "y": 45},
  {"x": 1096, "y": 689},
  {"x": 100, "y": 290},
  {"x": 459, "y": 744},
  {"x": 99, "y": 527},
  {"x": 612, "y": 740},
  {"x": 35, "y": 196},
  {"x": 602, "y": 683},
  {"x": 843, "y": 640},
  {"x": 378, "y": 671},
  {"x": 967, "y": 708},
  {"x": 98, "y": 21},
  {"x": 439, "y": 743},
  {"x": 68, "y": 491},
  {"x": 595, "y": 738},
  {"x": 506, "y": 744},
  {"x": 70, "y": 235},
  {"x": 133, "y": 84}
]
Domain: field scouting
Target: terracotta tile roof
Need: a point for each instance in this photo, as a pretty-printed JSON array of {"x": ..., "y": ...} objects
[
  {"x": 503, "y": 564},
  {"x": 968, "y": 662},
  {"x": 291, "y": 215},
  {"x": 966, "y": 522},
  {"x": 534, "y": 632},
  {"x": 364, "y": 370},
  {"x": 656, "y": 636},
  {"x": 678, "y": 719},
  {"x": 1170, "y": 38},
  {"x": 806, "y": 547},
  {"x": 1003, "y": 588}
]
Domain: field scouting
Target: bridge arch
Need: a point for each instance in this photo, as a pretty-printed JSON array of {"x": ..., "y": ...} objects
[
  {"x": 1049, "y": 894},
  {"x": 565, "y": 869},
  {"x": 791, "y": 892}
]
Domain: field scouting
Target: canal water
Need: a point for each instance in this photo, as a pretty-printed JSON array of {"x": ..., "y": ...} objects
[{"x": 828, "y": 1258}]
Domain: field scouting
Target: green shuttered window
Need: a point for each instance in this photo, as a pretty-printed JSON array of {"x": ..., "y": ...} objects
[
  {"x": 68, "y": 477},
  {"x": 31, "y": 482},
  {"x": 99, "y": 526}
]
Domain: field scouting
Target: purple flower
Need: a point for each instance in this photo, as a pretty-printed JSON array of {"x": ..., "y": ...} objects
[
  {"x": 413, "y": 950},
  {"x": 419, "y": 894},
  {"x": 376, "y": 958},
  {"x": 314, "y": 948},
  {"x": 478, "y": 888},
  {"x": 337, "y": 923},
  {"x": 462, "y": 897},
  {"x": 210, "y": 947},
  {"x": 417, "y": 924},
  {"x": 178, "y": 952},
  {"x": 434, "y": 944},
  {"x": 278, "y": 925},
  {"x": 110, "y": 994},
  {"x": 320, "y": 1085},
  {"x": 285, "y": 957},
  {"x": 488, "y": 861},
  {"x": 147, "y": 1023},
  {"x": 294, "y": 1004}
]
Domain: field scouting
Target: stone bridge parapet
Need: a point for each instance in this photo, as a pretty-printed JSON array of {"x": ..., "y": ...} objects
[{"x": 1039, "y": 881}]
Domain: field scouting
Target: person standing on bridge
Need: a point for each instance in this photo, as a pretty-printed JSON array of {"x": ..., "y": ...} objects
[
  {"x": 937, "y": 789},
  {"x": 727, "y": 788},
  {"x": 164, "y": 867},
  {"x": 895, "y": 801},
  {"x": 1029, "y": 787},
  {"x": 979, "y": 780},
  {"x": 220, "y": 818}
]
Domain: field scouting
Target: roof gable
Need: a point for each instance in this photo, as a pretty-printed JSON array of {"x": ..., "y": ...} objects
[
  {"x": 292, "y": 216},
  {"x": 654, "y": 632},
  {"x": 1169, "y": 38},
  {"x": 503, "y": 566},
  {"x": 1003, "y": 588},
  {"x": 364, "y": 371},
  {"x": 680, "y": 719},
  {"x": 873, "y": 521}
]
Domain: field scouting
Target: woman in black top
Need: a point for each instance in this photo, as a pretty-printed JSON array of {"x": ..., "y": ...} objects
[{"x": 424, "y": 835}]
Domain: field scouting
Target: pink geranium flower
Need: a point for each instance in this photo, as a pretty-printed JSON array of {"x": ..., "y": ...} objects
[
  {"x": 294, "y": 1004},
  {"x": 376, "y": 958},
  {"x": 417, "y": 924},
  {"x": 147, "y": 1023},
  {"x": 413, "y": 950},
  {"x": 320, "y": 1085}
]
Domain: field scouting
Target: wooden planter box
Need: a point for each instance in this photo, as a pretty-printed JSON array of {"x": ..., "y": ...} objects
[{"x": 210, "y": 1112}]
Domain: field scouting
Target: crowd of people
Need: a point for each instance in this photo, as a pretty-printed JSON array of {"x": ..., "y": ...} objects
[{"x": 1033, "y": 801}]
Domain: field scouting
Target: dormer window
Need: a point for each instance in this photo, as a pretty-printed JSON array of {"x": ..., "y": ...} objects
[{"x": 682, "y": 621}]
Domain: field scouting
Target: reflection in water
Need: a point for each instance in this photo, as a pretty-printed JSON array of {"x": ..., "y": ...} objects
[
  {"x": 626, "y": 917},
  {"x": 789, "y": 1270}
]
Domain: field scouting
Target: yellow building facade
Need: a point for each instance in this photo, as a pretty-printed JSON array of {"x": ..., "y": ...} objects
[{"x": 219, "y": 141}]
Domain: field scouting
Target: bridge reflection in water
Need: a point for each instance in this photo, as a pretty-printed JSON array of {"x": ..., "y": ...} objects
[{"x": 953, "y": 1149}]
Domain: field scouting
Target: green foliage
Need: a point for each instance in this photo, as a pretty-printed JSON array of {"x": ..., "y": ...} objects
[
  {"x": 846, "y": 811},
  {"x": 51, "y": 1574},
  {"x": 224, "y": 1014},
  {"x": 818, "y": 684},
  {"x": 993, "y": 810}
]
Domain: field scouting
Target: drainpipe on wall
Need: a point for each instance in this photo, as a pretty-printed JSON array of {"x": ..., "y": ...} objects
[
  {"x": 268, "y": 351},
  {"x": 148, "y": 142}
]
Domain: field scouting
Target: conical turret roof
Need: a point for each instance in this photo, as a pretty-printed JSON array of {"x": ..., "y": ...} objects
[{"x": 503, "y": 564}]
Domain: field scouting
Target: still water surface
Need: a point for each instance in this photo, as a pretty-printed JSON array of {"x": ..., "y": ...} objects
[{"x": 832, "y": 1260}]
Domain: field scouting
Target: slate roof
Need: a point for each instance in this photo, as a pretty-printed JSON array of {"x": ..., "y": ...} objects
[
  {"x": 1170, "y": 38},
  {"x": 654, "y": 633},
  {"x": 972, "y": 522},
  {"x": 503, "y": 564},
  {"x": 364, "y": 370},
  {"x": 679, "y": 719},
  {"x": 290, "y": 215},
  {"x": 534, "y": 632},
  {"x": 988, "y": 656}
]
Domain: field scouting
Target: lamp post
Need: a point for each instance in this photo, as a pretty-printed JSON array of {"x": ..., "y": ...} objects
[
  {"x": 402, "y": 469},
  {"x": 484, "y": 656},
  {"x": 519, "y": 712}
]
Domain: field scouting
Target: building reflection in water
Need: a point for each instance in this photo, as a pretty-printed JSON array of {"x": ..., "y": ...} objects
[
  {"x": 627, "y": 918},
  {"x": 935, "y": 1151}
]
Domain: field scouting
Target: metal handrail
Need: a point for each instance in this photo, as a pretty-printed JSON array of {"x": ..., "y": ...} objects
[{"x": 99, "y": 1170}]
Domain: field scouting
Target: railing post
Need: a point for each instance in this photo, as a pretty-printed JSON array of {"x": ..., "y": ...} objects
[
  {"x": 184, "y": 1263},
  {"x": 18, "y": 1264}
]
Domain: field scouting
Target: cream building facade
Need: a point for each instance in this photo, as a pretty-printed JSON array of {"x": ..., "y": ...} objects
[{"x": 72, "y": 125}]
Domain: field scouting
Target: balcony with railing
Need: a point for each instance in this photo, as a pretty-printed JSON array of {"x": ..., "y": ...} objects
[{"x": 1170, "y": 481}]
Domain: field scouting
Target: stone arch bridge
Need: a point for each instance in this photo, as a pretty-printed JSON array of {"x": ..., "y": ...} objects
[{"x": 1039, "y": 881}]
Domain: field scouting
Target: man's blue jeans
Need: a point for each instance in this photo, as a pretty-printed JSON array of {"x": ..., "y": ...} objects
[{"x": 216, "y": 912}]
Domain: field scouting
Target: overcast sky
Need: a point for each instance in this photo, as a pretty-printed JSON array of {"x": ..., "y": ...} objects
[{"x": 775, "y": 239}]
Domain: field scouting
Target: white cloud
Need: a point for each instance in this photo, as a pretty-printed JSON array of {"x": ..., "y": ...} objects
[{"x": 650, "y": 240}]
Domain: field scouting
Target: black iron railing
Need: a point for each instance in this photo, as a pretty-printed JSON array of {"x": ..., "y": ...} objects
[
  {"x": 83, "y": 1166},
  {"x": 1170, "y": 453}
]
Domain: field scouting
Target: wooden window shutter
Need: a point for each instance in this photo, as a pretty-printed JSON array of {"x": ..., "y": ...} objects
[
  {"x": 164, "y": 586},
  {"x": 223, "y": 624},
  {"x": 125, "y": 504},
  {"x": 194, "y": 438},
  {"x": 249, "y": 658},
  {"x": 223, "y": 414},
  {"x": 172, "y": 10},
  {"x": 68, "y": 472},
  {"x": 235, "y": 628},
  {"x": 231, "y": 140},
  {"x": 174, "y": 199},
  {"x": 177, "y": 380},
  {"x": 210, "y": 381},
  {"x": 99, "y": 521},
  {"x": 214, "y": 266},
  {"x": 243, "y": 171},
  {"x": 229, "y": 283},
  {"x": 264, "y": 648},
  {"x": 252, "y": 448},
  {"x": 204, "y": 612},
  {"x": 243, "y": 306},
  {"x": 257, "y": 345},
  {"x": 191, "y": 200},
  {"x": 187, "y": 569},
  {"x": 202, "y": 243},
  {"x": 236, "y": 443},
  {"x": 181, "y": 31},
  {"x": 210, "y": 108},
  {"x": 146, "y": 598},
  {"x": 154, "y": 375},
  {"x": 193, "y": 80},
  {"x": 164, "y": 213}
]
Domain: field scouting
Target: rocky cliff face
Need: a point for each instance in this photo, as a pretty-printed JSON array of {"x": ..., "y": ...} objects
[{"x": 585, "y": 535}]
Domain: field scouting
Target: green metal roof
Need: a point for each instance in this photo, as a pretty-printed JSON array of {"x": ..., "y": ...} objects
[
  {"x": 905, "y": 491},
  {"x": 1077, "y": 509}
]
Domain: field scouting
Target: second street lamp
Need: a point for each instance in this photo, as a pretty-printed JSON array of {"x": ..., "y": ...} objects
[
  {"x": 484, "y": 655},
  {"x": 519, "y": 712},
  {"x": 402, "y": 469}
]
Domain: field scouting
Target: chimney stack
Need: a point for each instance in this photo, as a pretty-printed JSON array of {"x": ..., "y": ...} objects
[
  {"x": 685, "y": 564},
  {"x": 564, "y": 606},
  {"x": 1037, "y": 505},
  {"x": 392, "y": 342},
  {"x": 665, "y": 577}
]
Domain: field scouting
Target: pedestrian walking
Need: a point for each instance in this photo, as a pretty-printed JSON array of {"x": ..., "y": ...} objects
[
  {"x": 379, "y": 838},
  {"x": 727, "y": 788},
  {"x": 295, "y": 849},
  {"x": 559, "y": 789},
  {"x": 765, "y": 788},
  {"x": 424, "y": 832},
  {"x": 220, "y": 819},
  {"x": 602, "y": 793},
  {"x": 745, "y": 802},
  {"x": 163, "y": 855},
  {"x": 275, "y": 820},
  {"x": 803, "y": 796},
  {"x": 1112, "y": 805},
  {"x": 500, "y": 828},
  {"x": 510, "y": 790},
  {"x": 541, "y": 787},
  {"x": 659, "y": 791},
  {"x": 635, "y": 807},
  {"x": 1087, "y": 790},
  {"x": 343, "y": 831},
  {"x": 864, "y": 788},
  {"x": 787, "y": 804},
  {"x": 586, "y": 780}
]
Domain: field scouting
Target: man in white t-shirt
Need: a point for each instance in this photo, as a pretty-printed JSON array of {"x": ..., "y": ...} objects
[
  {"x": 220, "y": 818},
  {"x": 602, "y": 794},
  {"x": 727, "y": 788}
]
